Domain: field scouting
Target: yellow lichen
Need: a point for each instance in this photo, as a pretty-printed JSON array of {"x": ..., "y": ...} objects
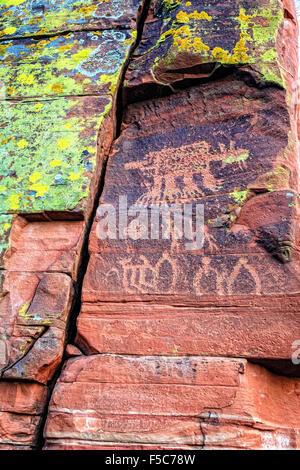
[
  {"x": 40, "y": 188},
  {"x": 55, "y": 163},
  {"x": 243, "y": 18},
  {"x": 9, "y": 30},
  {"x": 221, "y": 55},
  {"x": 25, "y": 79},
  {"x": 22, "y": 143},
  {"x": 23, "y": 309},
  {"x": 63, "y": 144},
  {"x": 14, "y": 201},
  {"x": 35, "y": 177}
]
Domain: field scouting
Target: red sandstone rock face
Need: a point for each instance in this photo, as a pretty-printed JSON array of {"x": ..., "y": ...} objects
[
  {"x": 57, "y": 100},
  {"x": 168, "y": 331},
  {"x": 158, "y": 61},
  {"x": 190, "y": 297},
  {"x": 177, "y": 402},
  {"x": 21, "y": 405},
  {"x": 38, "y": 292}
]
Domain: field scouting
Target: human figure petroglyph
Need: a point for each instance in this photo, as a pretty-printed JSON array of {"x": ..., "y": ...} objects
[
  {"x": 143, "y": 276},
  {"x": 243, "y": 263},
  {"x": 224, "y": 279}
]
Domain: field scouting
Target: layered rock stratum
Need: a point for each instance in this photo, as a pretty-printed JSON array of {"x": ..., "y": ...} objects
[{"x": 146, "y": 342}]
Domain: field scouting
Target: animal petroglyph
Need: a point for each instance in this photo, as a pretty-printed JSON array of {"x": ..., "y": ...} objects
[{"x": 169, "y": 173}]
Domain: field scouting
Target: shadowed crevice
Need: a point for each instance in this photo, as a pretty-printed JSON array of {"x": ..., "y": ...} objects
[{"x": 281, "y": 367}]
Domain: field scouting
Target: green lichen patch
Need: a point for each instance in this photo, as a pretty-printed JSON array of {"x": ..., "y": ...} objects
[
  {"x": 239, "y": 196},
  {"x": 48, "y": 151},
  {"x": 32, "y": 18},
  {"x": 226, "y": 33},
  {"x": 72, "y": 64},
  {"x": 5, "y": 228},
  {"x": 57, "y": 90}
]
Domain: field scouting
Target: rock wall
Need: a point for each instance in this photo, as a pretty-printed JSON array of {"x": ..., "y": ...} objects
[
  {"x": 61, "y": 62},
  {"x": 119, "y": 342}
]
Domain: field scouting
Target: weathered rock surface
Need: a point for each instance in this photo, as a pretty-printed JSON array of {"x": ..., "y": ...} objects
[
  {"x": 178, "y": 342},
  {"x": 169, "y": 328},
  {"x": 26, "y": 18},
  {"x": 183, "y": 41},
  {"x": 60, "y": 67},
  {"x": 21, "y": 405},
  {"x": 218, "y": 299},
  {"x": 176, "y": 402}
]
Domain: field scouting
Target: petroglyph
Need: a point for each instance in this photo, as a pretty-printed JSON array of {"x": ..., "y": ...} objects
[
  {"x": 170, "y": 172},
  {"x": 216, "y": 277},
  {"x": 143, "y": 276}
]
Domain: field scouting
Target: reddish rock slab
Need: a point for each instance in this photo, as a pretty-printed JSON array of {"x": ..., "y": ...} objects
[
  {"x": 248, "y": 410},
  {"x": 228, "y": 151},
  {"x": 207, "y": 157},
  {"x": 250, "y": 332},
  {"x": 52, "y": 246},
  {"x": 151, "y": 308},
  {"x": 72, "y": 351},
  {"x": 229, "y": 145},
  {"x": 34, "y": 312}
]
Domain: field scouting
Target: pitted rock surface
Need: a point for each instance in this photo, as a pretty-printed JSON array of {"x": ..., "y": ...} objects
[{"x": 162, "y": 103}]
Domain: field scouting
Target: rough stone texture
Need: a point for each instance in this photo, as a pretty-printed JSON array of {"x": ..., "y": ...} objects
[
  {"x": 21, "y": 405},
  {"x": 158, "y": 319},
  {"x": 29, "y": 18},
  {"x": 78, "y": 71},
  {"x": 60, "y": 66},
  {"x": 176, "y": 402},
  {"x": 167, "y": 335},
  {"x": 187, "y": 40},
  {"x": 220, "y": 299}
]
